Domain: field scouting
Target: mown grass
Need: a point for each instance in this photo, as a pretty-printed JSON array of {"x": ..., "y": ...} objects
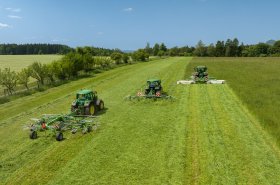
[
  {"x": 17, "y": 62},
  {"x": 135, "y": 140},
  {"x": 255, "y": 80},
  {"x": 205, "y": 136},
  {"x": 225, "y": 144}
]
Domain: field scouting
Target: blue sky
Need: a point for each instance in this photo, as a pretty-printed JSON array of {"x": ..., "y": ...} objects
[{"x": 130, "y": 24}]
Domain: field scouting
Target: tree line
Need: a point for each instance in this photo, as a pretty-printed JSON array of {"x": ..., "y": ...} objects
[
  {"x": 228, "y": 48},
  {"x": 31, "y": 49},
  {"x": 37, "y": 49},
  {"x": 82, "y": 60}
]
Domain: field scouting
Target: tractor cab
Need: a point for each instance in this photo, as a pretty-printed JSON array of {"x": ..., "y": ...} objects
[
  {"x": 200, "y": 71},
  {"x": 86, "y": 95},
  {"x": 153, "y": 87}
]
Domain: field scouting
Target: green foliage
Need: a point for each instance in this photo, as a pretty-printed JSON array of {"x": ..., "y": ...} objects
[
  {"x": 38, "y": 71},
  {"x": 156, "y": 49},
  {"x": 24, "y": 77},
  {"x": 211, "y": 50},
  {"x": 27, "y": 49},
  {"x": 117, "y": 57},
  {"x": 8, "y": 79},
  {"x": 200, "y": 49},
  {"x": 125, "y": 58},
  {"x": 140, "y": 55}
]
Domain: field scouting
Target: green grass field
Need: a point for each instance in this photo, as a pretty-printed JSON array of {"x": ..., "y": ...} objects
[
  {"x": 17, "y": 62},
  {"x": 205, "y": 136},
  {"x": 255, "y": 80}
]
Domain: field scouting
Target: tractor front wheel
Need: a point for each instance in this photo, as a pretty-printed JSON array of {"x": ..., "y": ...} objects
[
  {"x": 33, "y": 134},
  {"x": 59, "y": 136},
  {"x": 90, "y": 110}
]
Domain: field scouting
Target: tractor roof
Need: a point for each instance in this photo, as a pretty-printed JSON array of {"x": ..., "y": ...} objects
[
  {"x": 153, "y": 80},
  {"x": 201, "y": 67},
  {"x": 85, "y": 91}
]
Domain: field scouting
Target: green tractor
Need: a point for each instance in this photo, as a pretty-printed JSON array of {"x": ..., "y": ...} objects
[
  {"x": 87, "y": 103},
  {"x": 200, "y": 76},
  {"x": 153, "y": 89},
  {"x": 81, "y": 117}
]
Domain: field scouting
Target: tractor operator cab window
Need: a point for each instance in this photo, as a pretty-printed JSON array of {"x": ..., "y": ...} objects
[
  {"x": 152, "y": 84},
  {"x": 81, "y": 96}
]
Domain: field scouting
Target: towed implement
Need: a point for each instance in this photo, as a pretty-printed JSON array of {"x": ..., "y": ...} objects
[
  {"x": 81, "y": 118},
  {"x": 200, "y": 76},
  {"x": 153, "y": 90},
  {"x": 58, "y": 123}
]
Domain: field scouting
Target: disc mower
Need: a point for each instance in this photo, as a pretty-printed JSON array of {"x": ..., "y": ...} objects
[
  {"x": 153, "y": 90},
  {"x": 200, "y": 76}
]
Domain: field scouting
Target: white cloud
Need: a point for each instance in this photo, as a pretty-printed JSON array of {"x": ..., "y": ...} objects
[
  {"x": 14, "y": 17},
  {"x": 2, "y": 25},
  {"x": 13, "y": 9},
  {"x": 128, "y": 9},
  {"x": 100, "y": 33}
]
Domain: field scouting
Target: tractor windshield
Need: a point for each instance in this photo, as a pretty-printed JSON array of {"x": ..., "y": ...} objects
[
  {"x": 152, "y": 84},
  {"x": 80, "y": 96}
]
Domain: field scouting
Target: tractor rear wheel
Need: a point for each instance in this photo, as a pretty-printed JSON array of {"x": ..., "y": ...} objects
[
  {"x": 101, "y": 105},
  {"x": 59, "y": 136},
  {"x": 33, "y": 134}
]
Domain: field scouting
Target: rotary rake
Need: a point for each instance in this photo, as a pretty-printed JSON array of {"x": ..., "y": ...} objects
[{"x": 58, "y": 123}]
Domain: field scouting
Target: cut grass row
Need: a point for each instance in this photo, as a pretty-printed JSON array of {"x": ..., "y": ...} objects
[{"x": 255, "y": 80}]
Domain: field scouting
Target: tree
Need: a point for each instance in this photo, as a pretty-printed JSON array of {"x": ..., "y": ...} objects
[
  {"x": 261, "y": 49},
  {"x": 23, "y": 77},
  {"x": 38, "y": 71},
  {"x": 8, "y": 79},
  {"x": 125, "y": 58},
  {"x": 148, "y": 49},
  {"x": 220, "y": 48},
  {"x": 200, "y": 49},
  {"x": 156, "y": 49},
  {"x": 174, "y": 51},
  {"x": 88, "y": 62},
  {"x": 162, "y": 47},
  {"x": 140, "y": 55},
  {"x": 117, "y": 57},
  {"x": 211, "y": 50},
  {"x": 160, "y": 53}
]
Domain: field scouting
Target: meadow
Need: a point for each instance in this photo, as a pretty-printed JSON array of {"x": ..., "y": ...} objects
[
  {"x": 255, "y": 81},
  {"x": 17, "y": 62},
  {"x": 205, "y": 136}
]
